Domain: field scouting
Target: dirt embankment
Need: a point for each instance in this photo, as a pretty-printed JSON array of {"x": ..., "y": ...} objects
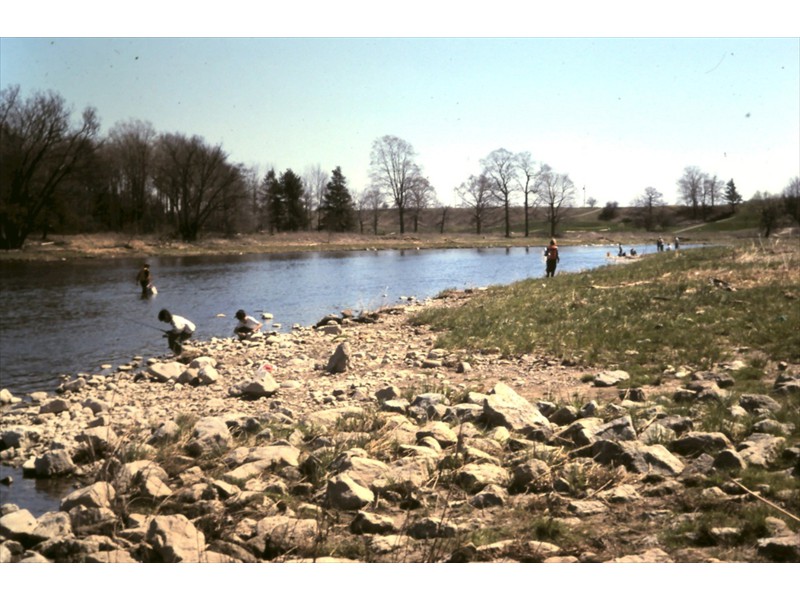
[{"x": 68, "y": 247}]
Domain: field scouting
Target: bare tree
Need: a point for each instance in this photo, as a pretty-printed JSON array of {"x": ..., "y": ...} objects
[
  {"x": 526, "y": 178},
  {"x": 196, "y": 180},
  {"x": 500, "y": 167},
  {"x": 315, "y": 181},
  {"x": 370, "y": 203},
  {"x": 39, "y": 150},
  {"x": 421, "y": 195},
  {"x": 556, "y": 193},
  {"x": 791, "y": 199},
  {"x": 476, "y": 193},
  {"x": 649, "y": 202},
  {"x": 131, "y": 148},
  {"x": 712, "y": 191},
  {"x": 392, "y": 168},
  {"x": 690, "y": 188}
]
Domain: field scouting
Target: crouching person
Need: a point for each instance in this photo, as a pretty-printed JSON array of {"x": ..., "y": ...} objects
[{"x": 246, "y": 325}]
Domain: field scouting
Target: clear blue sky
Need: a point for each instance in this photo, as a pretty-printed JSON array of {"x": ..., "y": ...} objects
[{"x": 616, "y": 114}]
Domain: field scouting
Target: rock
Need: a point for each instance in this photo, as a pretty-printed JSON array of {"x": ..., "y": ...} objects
[
  {"x": 491, "y": 495},
  {"x": 19, "y": 526},
  {"x": 780, "y": 549},
  {"x": 388, "y": 393},
  {"x": 20, "y": 436},
  {"x": 100, "y": 440},
  {"x": 618, "y": 430},
  {"x": 97, "y": 495},
  {"x": 729, "y": 460},
  {"x": 330, "y": 329},
  {"x": 695, "y": 443},
  {"x": 55, "y": 407},
  {"x": 369, "y": 523},
  {"x": 176, "y": 539},
  {"x": 637, "y": 457},
  {"x": 264, "y": 385},
  {"x": 281, "y": 534},
  {"x": 653, "y": 555},
  {"x": 532, "y": 475},
  {"x": 431, "y": 527},
  {"x": 439, "y": 431},
  {"x": 586, "y": 508},
  {"x": 54, "y": 463},
  {"x": 73, "y": 386},
  {"x": 759, "y": 404},
  {"x": 504, "y": 407},
  {"x": 621, "y": 494},
  {"x": 786, "y": 384},
  {"x": 325, "y": 419},
  {"x": 165, "y": 433},
  {"x": 610, "y": 378},
  {"x": 474, "y": 477},
  {"x": 168, "y": 371},
  {"x": 210, "y": 434},
  {"x": 340, "y": 359},
  {"x": 345, "y": 494},
  {"x": 564, "y": 415},
  {"x": 52, "y": 525},
  {"x": 761, "y": 449},
  {"x": 364, "y": 471}
]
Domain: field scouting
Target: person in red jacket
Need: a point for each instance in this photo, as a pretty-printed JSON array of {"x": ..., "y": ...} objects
[{"x": 551, "y": 259}]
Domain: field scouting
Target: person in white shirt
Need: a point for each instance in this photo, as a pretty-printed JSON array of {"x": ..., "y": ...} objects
[
  {"x": 182, "y": 330},
  {"x": 246, "y": 326}
]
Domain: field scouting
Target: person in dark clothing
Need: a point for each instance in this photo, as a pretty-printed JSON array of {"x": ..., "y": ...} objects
[
  {"x": 144, "y": 278},
  {"x": 551, "y": 259}
]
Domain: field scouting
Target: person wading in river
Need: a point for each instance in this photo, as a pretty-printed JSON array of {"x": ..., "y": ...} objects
[
  {"x": 182, "y": 330},
  {"x": 551, "y": 259},
  {"x": 145, "y": 279}
]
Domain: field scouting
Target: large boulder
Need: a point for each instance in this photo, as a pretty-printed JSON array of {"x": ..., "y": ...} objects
[
  {"x": 210, "y": 434},
  {"x": 97, "y": 495},
  {"x": 166, "y": 371},
  {"x": 176, "y": 539},
  {"x": 340, "y": 359},
  {"x": 54, "y": 463},
  {"x": 345, "y": 494},
  {"x": 504, "y": 407}
]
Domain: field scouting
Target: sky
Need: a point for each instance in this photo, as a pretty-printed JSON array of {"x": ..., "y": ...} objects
[{"x": 614, "y": 112}]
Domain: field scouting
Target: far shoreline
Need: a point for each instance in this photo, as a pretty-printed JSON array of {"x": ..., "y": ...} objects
[{"x": 112, "y": 246}]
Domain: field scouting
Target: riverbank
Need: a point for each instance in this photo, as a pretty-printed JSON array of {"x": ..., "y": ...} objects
[
  {"x": 359, "y": 440},
  {"x": 93, "y": 246}
]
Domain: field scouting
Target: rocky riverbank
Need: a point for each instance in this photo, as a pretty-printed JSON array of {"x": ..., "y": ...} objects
[{"x": 358, "y": 440}]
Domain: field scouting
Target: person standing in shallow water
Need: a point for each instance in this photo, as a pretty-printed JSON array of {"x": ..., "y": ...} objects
[
  {"x": 144, "y": 278},
  {"x": 551, "y": 259},
  {"x": 182, "y": 330}
]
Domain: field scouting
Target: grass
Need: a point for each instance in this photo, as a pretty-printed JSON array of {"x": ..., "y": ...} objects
[{"x": 663, "y": 310}]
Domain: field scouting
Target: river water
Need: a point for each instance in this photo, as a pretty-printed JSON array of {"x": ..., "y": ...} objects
[{"x": 75, "y": 316}]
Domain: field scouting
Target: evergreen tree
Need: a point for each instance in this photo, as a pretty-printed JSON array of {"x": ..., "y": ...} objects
[
  {"x": 337, "y": 204},
  {"x": 292, "y": 188},
  {"x": 273, "y": 202},
  {"x": 732, "y": 196}
]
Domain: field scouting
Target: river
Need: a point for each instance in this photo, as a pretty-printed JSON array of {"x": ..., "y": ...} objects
[{"x": 75, "y": 316}]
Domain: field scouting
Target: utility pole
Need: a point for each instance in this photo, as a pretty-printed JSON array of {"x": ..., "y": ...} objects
[{"x": 584, "y": 196}]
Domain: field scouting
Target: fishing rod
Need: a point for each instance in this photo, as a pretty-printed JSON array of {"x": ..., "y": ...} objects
[{"x": 146, "y": 325}]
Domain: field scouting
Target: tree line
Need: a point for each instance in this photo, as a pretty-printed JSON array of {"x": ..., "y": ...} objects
[{"x": 57, "y": 173}]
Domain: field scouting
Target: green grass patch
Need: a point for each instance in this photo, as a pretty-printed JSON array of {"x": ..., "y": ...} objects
[{"x": 667, "y": 309}]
